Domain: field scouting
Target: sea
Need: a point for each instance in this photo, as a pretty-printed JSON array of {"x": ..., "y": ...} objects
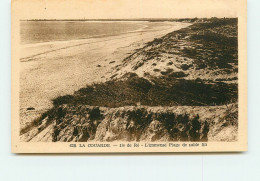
[{"x": 46, "y": 31}]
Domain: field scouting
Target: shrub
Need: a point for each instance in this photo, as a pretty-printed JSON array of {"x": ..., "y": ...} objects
[
  {"x": 178, "y": 74},
  {"x": 185, "y": 66},
  {"x": 166, "y": 72},
  {"x": 169, "y": 63}
]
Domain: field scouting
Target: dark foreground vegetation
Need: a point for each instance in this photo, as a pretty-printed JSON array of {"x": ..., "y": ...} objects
[{"x": 160, "y": 91}]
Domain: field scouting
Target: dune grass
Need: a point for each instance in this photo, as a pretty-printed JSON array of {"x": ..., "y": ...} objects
[{"x": 165, "y": 91}]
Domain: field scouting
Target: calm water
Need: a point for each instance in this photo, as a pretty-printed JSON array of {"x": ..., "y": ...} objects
[{"x": 45, "y": 31}]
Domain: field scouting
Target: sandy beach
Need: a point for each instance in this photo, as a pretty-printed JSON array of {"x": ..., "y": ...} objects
[{"x": 53, "y": 69}]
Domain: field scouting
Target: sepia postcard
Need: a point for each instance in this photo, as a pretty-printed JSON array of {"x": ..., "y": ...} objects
[{"x": 109, "y": 76}]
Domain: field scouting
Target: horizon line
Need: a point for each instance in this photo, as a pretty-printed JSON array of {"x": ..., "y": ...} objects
[{"x": 124, "y": 19}]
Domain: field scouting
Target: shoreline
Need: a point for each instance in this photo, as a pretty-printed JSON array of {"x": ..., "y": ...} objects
[
  {"x": 47, "y": 75},
  {"x": 33, "y": 44},
  {"x": 62, "y": 44}
]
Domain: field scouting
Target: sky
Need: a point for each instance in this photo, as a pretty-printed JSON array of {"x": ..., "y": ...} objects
[{"x": 124, "y": 9}]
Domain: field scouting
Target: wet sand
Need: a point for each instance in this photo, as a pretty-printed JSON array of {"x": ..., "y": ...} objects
[{"x": 55, "y": 69}]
